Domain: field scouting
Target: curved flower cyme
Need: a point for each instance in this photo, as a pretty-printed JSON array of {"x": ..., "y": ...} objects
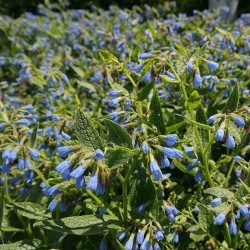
[
  {"x": 140, "y": 236},
  {"x": 77, "y": 173},
  {"x": 98, "y": 154},
  {"x": 130, "y": 242},
  {"x": 220, "y": 218}
]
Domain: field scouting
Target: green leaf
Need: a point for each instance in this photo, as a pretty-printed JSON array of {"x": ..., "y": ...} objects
[
  {"x": 143, "y": 93},
  {"x": 233, "y": 100},
  {"x": 180, "y": 65},
  {"x": 206, "y": 218},
  {"x": 2, "y": 203},
  {"x": 193, "y": 100},
  {"x": 197, "y": 235},
  {"x": 243, "y": 191},
  {"x": 33, "y": 135},
  {"x": 203, "y": 133},
  {"x": 23, "y": 245},
  {"x": 168, "y": 79},
  {"x": 81, "y": 225},
  {"x": 86, "y": 132},
  {"x": 31, "y": 210},
  {"x": 117, "y": 86},
  {"x": 107, "y": 57},
  {"x": 118, "y": 134},
  {"x": 174, "y": 127},
  {"x": 156, "y": 116},
  {"x": 234, "y": 131},
  {"x": 140, "y": 184},
  {"x": 183, "y": 168},
  {"x": 87, "y": 85},
  {"x": 220, "y": 192},
  {"x": 78, "y": 71},
  {"x": 118, "y": 156}
]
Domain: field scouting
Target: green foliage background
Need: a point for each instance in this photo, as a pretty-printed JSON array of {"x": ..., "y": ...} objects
[{"x": 15, "y": 8}]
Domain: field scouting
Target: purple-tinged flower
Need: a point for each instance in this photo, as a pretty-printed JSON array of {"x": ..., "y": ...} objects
[
  {"x": 176, "y": 237},
  {"x": 237, "y": 215},
  {"x": 63, "y": 151},
  {"x": 197, "y": 80},
  {"x": 144, "y": 56},
  {"x": 121, "y": 235},
  {"x": 129, "y": 243},
  {"x": 6, "y": 167},
  {"x": 64, "y": 169},
  {"x": 158, "y": 235},
  {"x": 113, "y": 93},
  {"x": 6, "y": 153},
  {"x": 66, "y": 136},
  {"x": 239, "y": 121},
  {"x": 211, "y": 119},
  {"x": 156, "y": 246},
  {"x": 177, "y": 153},
  {"x": 145, "y": 147},
  {"x": 52, "y": 205},
  {"x": 219, "y": 219},
  {"x": 98, "y": 154},
  {"x": 49, "y": 131},
  {"x": 100, "y": 188},
  {"x": 138, "y": 68},
  {"x": 198, "y": 176},
  {"x": 140, "y": 236},
  {"x": 103, "y": 245},
  {"x": 34, "y": 154},
  {"x": 247, "y": 225},
  {"x": 155, "y": 170},
  {"x": 237, "y": 158},
  {"x": 190, "y": 67},
  {"x": 230, "y": 143},
  {"x": 165, "y": 162},
  {"x": 24, "y": 121},
  {"x": 171, "y": 75},
  {"x": 233, "y": 228},
  {"x": 113, "y": 115},
  {"x": 219, "y": 136},
  {"x": 189, "y": 151},
  {"x": 213, "y": 65},
  {"x": 169, "y": 152},
  {"x": 244, "y": 211},
  {"x": 23, "y": 163},
  {"x": 171, "y": 139},
  {"x": 216, "y": 202},
  {"x": 49, "y": 191}
]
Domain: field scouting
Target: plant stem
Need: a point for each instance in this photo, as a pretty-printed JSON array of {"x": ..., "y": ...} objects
[
  {"x": 229, "y": 173},
  {"x": 226, "y": 233},
  {"x": 99, "y": 202},
  {"x": 130, "y": 78}
]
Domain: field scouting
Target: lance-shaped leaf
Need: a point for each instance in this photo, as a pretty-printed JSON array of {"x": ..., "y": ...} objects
[
  {"x": 144, "y": 92},
  {"x": 86, "y": 132},
  {"x": 31, "y": 210},
  {"x": 168, "y": 79},
  {"x": 82, "y": 225},
  {"x": 118, "y": 134},
  {"x": 193, "y": 100},
  {"x": 233, "y": 100},
  {"x": 118, "y": 156},
  {"x": 156, "y": 116},
  {"x": 116, "y": 86},
  {"x": 33, "y": 135}
]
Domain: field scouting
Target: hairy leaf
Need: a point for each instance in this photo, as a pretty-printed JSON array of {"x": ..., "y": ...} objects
[
  {"x": 144, "y": 92},
  {"x": 81, "y": 225},
  {"x": 219, "y": 192},
  {"x": 86, "y": 133},
  {"x": 33, "y": 135},
  {"x": 233, "y": 100},
  {"x": 118, "y": 134}
]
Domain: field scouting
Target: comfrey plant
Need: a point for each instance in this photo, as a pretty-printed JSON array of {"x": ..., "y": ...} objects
[{"x": 126, "y": 135}]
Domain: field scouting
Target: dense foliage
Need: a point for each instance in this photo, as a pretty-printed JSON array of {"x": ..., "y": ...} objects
[{"x": 124, "y": 129}]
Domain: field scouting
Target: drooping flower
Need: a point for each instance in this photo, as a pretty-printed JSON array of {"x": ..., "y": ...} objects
[
  {"x": 63, "y": 151},
  {"x": 103, "y": 245},
  {"x": 219, "y": 219},
  {"x": 176, "y": 237},
  {"x": 34, "y": 154},
  {"x": 145, "y": 147},
  {"x": 165, "y": 162},
  {"x": 247, "y": 225},
  {"x": 121, "y": 235},
  {"x": 230, "y": 143},
  {"x": 213, "y": 65},
  {"x": 239, "y": 121},
  {"x": 190, "y": 67},
  {"x": 233, "y": 228},
  {"x": 244, "y": 211},
  {"x": 158, "y": 234},
  {"x": 171, "y": 139},
  {"x": 219, "y": 136},
  {"x": 216, "y": 202},
  {"x": 155, "y": 170},
  {"x": 52, "y": 205},
  {"x": 211, "y": 119},
  {"x": 197, "y": 80},
  {"x": 98, "y": 154}
]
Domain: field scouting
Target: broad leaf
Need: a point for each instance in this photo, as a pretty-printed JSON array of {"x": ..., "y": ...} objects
[
  {"x": 86, "y": 133},
  {"x": 219, "y": 192},
  {"x": 156, "y": 116},
  {"x": 118, "y": 156},
  {"x": 233, "y": 100},
  {"x": 31, "y": 210},
  {"x": 23, "y": 245},
  {"x": 144, "y": 92},
  {"x": 234, "y": 131},
  {"x": 118, "y": 134},
  {"x": 81, "y": 225},
  {"x": 206, "y": 218}
]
